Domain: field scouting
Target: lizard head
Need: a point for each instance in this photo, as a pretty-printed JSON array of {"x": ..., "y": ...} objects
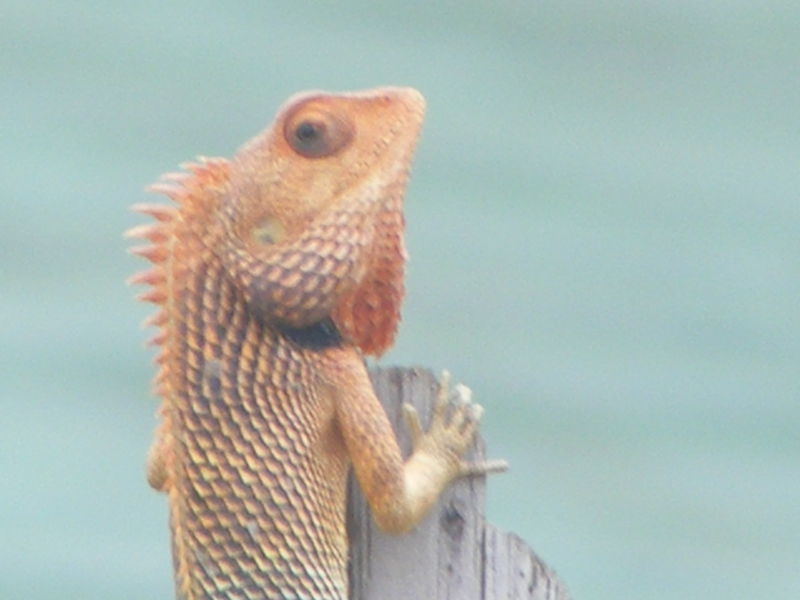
[
  {"x": 325, "y": 151},
  {"x": 335, "y": 161}
]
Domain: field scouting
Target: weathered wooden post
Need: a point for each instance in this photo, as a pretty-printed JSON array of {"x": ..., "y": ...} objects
[{"x": 453, "y": 554}]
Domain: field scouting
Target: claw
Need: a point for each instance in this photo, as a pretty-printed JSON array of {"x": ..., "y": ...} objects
[
  {"x": 470, "y": 419},
  {"x": 443, "y": 395},
  {"x": 441, "y": 402},
  {"x": 484, "y": 467},
  {"x": 463, "y": 393},
  {"x": 411, "y": 417},
  {"x": 476, "y": 412}
]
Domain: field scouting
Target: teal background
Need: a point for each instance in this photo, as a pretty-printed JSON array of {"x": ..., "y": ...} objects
[{"x": 603, "y": 223}]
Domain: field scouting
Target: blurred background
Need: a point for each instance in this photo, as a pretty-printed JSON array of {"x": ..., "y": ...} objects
[{"x": 603, "y": 223}]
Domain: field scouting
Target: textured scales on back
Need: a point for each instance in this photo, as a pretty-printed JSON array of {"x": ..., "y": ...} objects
[{"x": 274, "y": 273}]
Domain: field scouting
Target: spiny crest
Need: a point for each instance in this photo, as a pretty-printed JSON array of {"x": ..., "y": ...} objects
[{"x": 186, "y": 189}]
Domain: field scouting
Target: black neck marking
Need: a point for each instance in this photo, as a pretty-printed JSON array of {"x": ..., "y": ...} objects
[{"x": 317, "y": 336}]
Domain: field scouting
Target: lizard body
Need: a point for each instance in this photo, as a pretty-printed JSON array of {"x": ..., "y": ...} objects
[{"x": 275, "y": 272}]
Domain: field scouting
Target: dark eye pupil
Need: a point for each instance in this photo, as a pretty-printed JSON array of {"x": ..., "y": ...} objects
[
  {"x": 316, "y": 133},
  {"x": 307, "y": 132}
]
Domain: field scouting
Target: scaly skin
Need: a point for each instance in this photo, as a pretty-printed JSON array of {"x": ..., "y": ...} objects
[{"x": 275, "y": 273}]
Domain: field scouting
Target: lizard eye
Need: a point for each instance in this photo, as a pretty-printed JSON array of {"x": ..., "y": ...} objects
[{"x": 316, "y": 134}]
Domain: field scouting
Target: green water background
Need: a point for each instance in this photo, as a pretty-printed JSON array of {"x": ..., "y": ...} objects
[{"x": 603, "y": 223}]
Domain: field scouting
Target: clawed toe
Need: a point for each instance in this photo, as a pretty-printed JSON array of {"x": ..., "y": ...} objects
[{"x": 484, "y": 467}]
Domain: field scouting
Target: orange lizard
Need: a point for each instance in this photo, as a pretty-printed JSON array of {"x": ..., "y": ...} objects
[{"x": 275, "y": 273}]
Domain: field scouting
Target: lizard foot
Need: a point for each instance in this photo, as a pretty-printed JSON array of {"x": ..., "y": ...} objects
[{"x": 452, "y": 430}]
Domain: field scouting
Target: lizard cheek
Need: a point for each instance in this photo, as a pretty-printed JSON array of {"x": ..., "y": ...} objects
[{"x": 268, "y": 231}]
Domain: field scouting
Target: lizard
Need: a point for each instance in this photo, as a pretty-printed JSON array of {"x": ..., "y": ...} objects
[{"x": 275, "y": 273}]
